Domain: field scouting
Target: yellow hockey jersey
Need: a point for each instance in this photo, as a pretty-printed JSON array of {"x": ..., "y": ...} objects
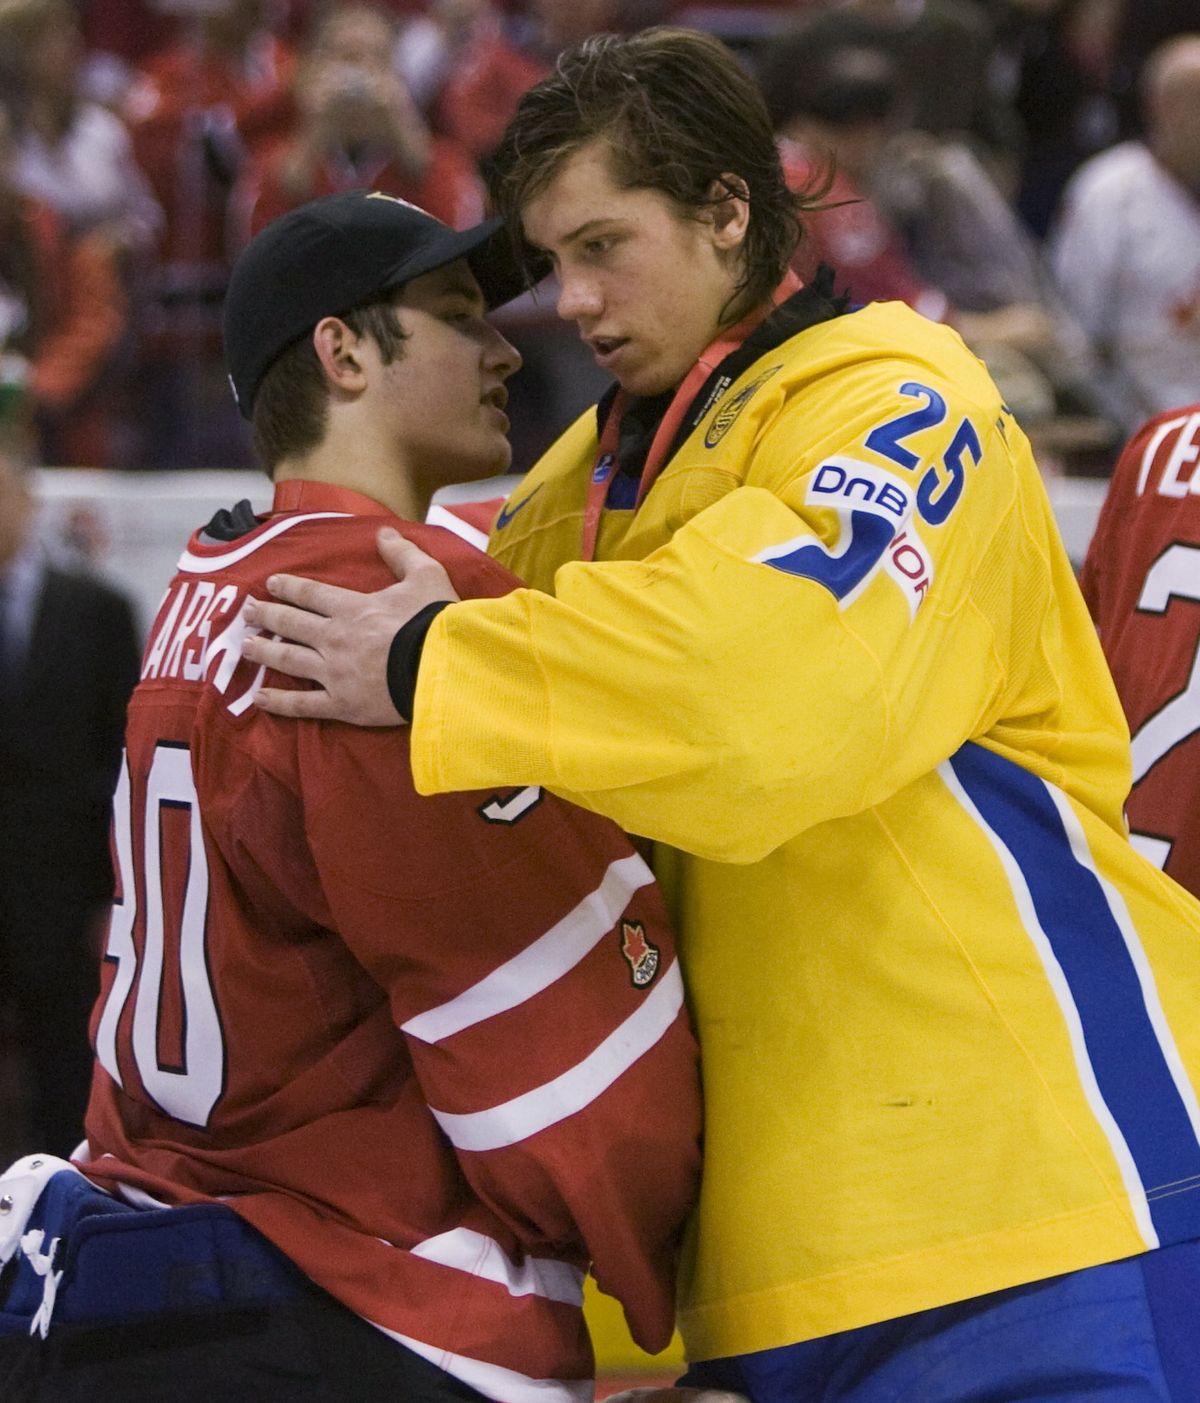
[{"x": 838, "y": 661}]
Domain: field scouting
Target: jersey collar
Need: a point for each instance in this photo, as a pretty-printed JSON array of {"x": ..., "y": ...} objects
[
  {"x": 300, "y": 494},
  {"x": 791, "y": 308}
]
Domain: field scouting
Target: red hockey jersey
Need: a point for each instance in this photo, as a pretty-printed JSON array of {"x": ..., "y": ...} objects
[
  {"x": 1141, "y": 579},
  {"x": 435, "y": 1049}
]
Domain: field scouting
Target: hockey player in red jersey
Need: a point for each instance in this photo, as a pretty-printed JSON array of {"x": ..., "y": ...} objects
[
  {"x": 397, "y": 1036},
  {"x": 1141, "y": 580}
]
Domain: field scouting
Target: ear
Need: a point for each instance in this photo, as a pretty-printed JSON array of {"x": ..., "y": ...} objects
[
  {"x": 729, "y": 211},
  {"x": 339, "y": 351}
]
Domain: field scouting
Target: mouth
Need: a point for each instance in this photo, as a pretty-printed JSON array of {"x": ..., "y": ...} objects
[
  {"x": 496, "y": 399},
  {"x": 605, "y": 348}
]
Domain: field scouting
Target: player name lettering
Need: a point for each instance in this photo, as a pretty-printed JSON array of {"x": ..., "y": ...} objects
[
  {"x": 199, "y": 624},
  {"x": 1175, "y": 448}
]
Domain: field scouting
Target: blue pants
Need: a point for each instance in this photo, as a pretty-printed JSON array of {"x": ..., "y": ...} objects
[
  {"x": 1125, "y": 1332},
  {"x": 183, "y": 1305}
]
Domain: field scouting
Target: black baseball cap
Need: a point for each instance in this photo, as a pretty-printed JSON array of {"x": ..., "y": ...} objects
[{"x": 327, "y": 256}]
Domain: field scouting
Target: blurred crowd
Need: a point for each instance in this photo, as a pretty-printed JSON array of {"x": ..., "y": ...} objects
[{"x": 1028, "y": 170}]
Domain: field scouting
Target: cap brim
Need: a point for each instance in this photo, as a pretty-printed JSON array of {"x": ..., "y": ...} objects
[{"x": 487, "y": 249}]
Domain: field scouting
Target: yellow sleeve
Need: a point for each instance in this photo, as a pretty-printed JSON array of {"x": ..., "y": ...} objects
[{"x": 788, "y": 657}]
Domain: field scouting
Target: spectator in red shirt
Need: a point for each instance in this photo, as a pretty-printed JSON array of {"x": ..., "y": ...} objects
[
  {"x": 198, "y": 111},
  {"x": 62, "y": 317},
  {"x": 463, "y": 71},
  {"x": 915, "y": 218},
  {"x": 127, "y": 30},
  {"x": 358, "y": 128},
  {"x": 69, "y": 152},
  {"x": 836, "y": 127}
]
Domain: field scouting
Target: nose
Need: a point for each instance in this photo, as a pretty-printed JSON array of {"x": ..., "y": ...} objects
[
  {"x": 500, "y": 355},
  {"x": 578, "y": 296}
]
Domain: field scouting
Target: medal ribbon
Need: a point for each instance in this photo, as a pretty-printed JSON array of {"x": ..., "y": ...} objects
[{"x": 605, "y": 464}]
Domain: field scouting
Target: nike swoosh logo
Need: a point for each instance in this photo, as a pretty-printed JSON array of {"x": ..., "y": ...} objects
[{"x": 507, "y": 513}]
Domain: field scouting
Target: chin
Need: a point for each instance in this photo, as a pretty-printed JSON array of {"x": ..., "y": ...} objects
[
  {"x": 486, "y": 465},
  {"x": 647, "y": 382},
  {"x": 501, "y": 462}
]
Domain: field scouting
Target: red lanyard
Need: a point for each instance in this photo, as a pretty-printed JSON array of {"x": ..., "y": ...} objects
[{"x": 605, "y": 464}]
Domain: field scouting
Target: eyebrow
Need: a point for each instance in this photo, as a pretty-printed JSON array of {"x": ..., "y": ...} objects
[
  {"x": 581, "y": 232},
  {"x": 460, "y": 287}
]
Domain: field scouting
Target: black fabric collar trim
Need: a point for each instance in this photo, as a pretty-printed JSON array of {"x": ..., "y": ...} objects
[{"x": 231, "y": 524}]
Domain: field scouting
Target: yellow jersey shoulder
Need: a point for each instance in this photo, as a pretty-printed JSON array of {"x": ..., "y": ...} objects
[
  {"x": 821, "y": 392},
  {"x": 831, "y": 384}
]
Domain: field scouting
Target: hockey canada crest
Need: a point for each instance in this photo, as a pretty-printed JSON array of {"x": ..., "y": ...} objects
[{"x": 641, "y": 956}]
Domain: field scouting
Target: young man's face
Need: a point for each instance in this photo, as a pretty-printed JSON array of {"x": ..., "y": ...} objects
[
  {"x": 646, "y": 286},
  {"x": 444, "y": 396}
]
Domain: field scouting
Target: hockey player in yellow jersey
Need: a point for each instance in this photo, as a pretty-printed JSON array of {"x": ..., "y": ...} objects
[{"x": 799, "y": 613}]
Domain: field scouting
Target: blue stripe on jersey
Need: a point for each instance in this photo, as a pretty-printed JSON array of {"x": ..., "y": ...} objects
[
  {"x": 1131, "y": 1070},
  {"x": 865, "y": 538}
]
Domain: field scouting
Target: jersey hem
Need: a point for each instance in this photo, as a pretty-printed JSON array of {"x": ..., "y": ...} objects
[{"x": 959, "y": 1271}]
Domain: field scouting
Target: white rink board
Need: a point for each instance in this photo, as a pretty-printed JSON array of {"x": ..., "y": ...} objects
[{"x": 147, "y": 517}]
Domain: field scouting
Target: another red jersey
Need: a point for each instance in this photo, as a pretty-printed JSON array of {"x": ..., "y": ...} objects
[
  {"x": 1141, "y": 580},
  {"x": 434, "y": 1048}
]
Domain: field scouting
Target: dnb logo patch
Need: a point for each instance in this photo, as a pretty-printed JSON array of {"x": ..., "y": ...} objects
[
  {"x": 875, "y": 529},
  {"x": 640, "y": 954},
  {"x": 727, "y": 413}
]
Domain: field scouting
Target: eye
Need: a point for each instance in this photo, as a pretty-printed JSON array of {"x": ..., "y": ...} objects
[{"x": 599, "y": 246}]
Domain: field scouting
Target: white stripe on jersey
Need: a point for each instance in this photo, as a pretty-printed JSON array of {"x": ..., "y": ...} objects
[
  {"x": 481, "y": 1256},
  {"x": 493, "y": 1381},
  {"x": 565, "y": 1095},
  {"x": 1057, "y": 980},
  {"x": 441, "y": 516},
  {"x": 191, "y": 564},
  {"x": 539, "y": 965}
]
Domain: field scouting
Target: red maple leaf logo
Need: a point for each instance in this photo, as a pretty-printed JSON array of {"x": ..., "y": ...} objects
[{"x": 640, "y": 953}]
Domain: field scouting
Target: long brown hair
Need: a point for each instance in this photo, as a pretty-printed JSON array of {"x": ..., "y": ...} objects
[{"x": 680, "y": 115}]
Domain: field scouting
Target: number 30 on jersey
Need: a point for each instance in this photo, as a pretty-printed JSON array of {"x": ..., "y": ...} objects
[{"x": 188, "y": 1084}]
